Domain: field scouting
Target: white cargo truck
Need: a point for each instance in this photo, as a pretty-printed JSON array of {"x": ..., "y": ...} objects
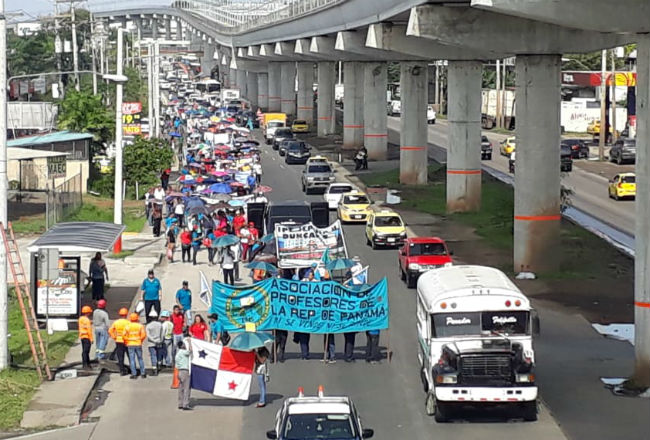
[{"x": 475, "y": 332}]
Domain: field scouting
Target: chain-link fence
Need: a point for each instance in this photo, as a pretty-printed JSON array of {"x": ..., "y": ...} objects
[{"x": 63, "y": 201}]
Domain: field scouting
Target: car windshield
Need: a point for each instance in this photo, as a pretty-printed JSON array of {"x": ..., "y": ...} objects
[
  {"x": 484, "y": 139},
  {"x": 275, "y": 124},
  {"x": 628, "y": 179},
  {"x": 319, "y": 426},
  {"x": 299, "y": 122},
  {"x": 319, "y": 169},
  {"x": 290, "y": 211},
  {"x": 296, "y": 147},
  {"x": 388, "y": 221},
  {"x": 565, "y": 150},
  {"x": 480, "y": 323},
  {"x": 356, "y": 200},
  {"x": 427, "y": 249},
  {"x": 339, "y": 189},
  {"x": 283, "y": 132}
]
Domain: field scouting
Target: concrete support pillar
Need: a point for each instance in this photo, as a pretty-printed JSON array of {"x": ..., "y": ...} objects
[
  {"x": 263, "y": 91},
  {"x": 233, "y": 78},
  {"x": 413, "y": 157},
  {"x": 251, "y": 89},
  {"x": 288, "y": 89},
  {"x": 464, "y": 152},
  {"x": 207, "y": 60},
  {"x": 138, "y": 26},
  {"x": 537, "y": 177},
  {"x": 241, "y": 83},
  {"x": 168, "y": 29},
  {"x": 179, "y": 30},
  {"x": 154, "y": 28},
  {"x": 325, "y": 103},
  {"x": 274, "y": 87},
  {"x": 352, "y": 105},
  {"x": 374, "y": 110},
  {"x": 642, "y": 229},
  {"x": 305, "y": 108}
]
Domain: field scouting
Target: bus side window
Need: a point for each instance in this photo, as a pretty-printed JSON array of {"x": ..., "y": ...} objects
[{"x": 422, "y": 320}]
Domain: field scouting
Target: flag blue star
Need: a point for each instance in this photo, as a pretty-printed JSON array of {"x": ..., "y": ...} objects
[{"x": 203, "y": 354}]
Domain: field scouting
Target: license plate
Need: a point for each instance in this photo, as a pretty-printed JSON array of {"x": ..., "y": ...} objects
[
  {"x": 391, "y": 240},
  {"x": 358, "y": 216}
]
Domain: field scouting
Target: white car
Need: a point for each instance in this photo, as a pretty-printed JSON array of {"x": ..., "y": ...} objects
[
  {"x": 318, "y": 417},
  {"x": 334, "y": 192},
  {"x": 431, "y": 115}
]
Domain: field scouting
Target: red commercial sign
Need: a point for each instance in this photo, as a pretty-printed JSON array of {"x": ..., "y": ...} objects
[{"x": 131, "y": 114}]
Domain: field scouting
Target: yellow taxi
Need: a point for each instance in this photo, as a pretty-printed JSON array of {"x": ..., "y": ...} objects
[
  {"x": 317, "y": 159},
  {"x": 354, "y": 207},
  {"x": 507, "y": 146},
  {"x": 622, "y": 185},
  {"x": 300, "y": 126},
  {"x": 385, "y": 228}
]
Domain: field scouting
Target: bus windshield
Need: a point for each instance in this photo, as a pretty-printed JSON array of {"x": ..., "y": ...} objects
[{"x": 505, "y": 322}]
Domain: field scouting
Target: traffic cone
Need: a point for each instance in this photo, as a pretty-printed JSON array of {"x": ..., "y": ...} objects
[{"x": 175, "y": 381}]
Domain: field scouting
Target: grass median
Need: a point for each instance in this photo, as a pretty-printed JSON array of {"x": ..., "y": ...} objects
[
  {"x": 19, "y": 382},
  {"x": 583, "y": 254}
]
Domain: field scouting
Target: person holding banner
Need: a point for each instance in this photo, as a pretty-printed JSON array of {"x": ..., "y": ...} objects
[
  {"x": 280, "y": 344},
  {"x": 303, "y": 340},
  {"x": 372, "y": 348},
  {"x": 349, "y": 346},
  {"x": 182, "y": 362}
]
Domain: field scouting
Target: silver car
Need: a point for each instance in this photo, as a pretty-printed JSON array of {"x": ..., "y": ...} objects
[{"x": 317, "y": 175}]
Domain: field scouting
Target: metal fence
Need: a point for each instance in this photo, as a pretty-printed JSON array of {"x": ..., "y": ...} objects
[
  {"x": 237, "y": 16},
  {"x": 63, "y": 201}
]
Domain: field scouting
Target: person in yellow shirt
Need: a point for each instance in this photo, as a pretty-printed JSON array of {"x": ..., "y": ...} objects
[
  {"x": 117, "y": 333},
  {"x": 85, "y": 335},
  {"x": 134, "y": 335}
]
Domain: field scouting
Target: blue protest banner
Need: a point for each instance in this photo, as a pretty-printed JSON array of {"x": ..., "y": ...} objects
[{"x": 322, "y": 307}]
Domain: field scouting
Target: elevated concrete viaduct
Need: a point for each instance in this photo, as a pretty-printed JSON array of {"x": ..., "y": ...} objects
[{"x": 366, "y": 34}]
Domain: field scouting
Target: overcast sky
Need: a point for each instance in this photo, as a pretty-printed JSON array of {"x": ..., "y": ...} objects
[{"x": 46, "y": 7}]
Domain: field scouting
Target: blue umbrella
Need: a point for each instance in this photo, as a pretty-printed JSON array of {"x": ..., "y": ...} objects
[
  {"x": 225, "y": 240},
  {"x": 236, "y": 203},
  {"x": 267, "y": 238},
  {"x": 222, "y": 188},
  {"x": 249, "y": 341},
  {"x": 262, "y": 265},
  {"x": 340, "y": 264},
  {"x": 175, "y": 134}
]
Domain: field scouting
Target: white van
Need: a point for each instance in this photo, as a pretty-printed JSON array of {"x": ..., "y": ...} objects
[{"x": 475, "y": 341}]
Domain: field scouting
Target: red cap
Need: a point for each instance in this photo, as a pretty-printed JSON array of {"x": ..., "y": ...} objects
[{"x": 101, "y": 303}]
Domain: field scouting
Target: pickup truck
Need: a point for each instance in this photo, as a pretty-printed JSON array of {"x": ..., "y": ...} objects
[
  {"x": 420, "y": 254},
  {"x": 317, "y": 175}
]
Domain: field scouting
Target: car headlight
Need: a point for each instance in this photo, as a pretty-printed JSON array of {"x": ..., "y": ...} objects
[
  {"x": 310, "y": 179},
  {"x": 402, "y": 234},
  {"x": 414, "y": 266},
  {"x": 448, "y": 378},
  {"x": 379, "y": 234},
  {"x": 331, "y": 178},
  {"x": 525, "y": 378}
]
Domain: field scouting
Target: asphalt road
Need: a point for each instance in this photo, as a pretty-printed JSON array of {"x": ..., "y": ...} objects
[
  {"x": 590, "y": 189},
  {"x": 388, "y": 396}
]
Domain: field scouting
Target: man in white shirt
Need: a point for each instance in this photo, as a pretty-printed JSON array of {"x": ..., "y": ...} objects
[
  {"x": 179, "y": 213},
  {"x": 159, "y": 193}
]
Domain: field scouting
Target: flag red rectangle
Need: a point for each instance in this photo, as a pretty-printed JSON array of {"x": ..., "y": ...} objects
[{"x": 237, "y": 361}]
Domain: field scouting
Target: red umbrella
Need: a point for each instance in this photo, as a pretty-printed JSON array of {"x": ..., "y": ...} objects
[
  {"x": 263, "y": 189},
  {"x": 236, "y": 184}
]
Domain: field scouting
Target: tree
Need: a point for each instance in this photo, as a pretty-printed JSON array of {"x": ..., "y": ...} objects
[
  {"x": 84, "y": 112},
  {"x": 30, "y": 53},
  {"x": 145, "y": 159}
]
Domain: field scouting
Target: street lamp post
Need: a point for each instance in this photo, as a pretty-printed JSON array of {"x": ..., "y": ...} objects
[{"x": 119, "y": 79}]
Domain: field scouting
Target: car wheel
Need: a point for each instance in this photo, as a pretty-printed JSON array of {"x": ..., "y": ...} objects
[
  {"x": 616, "y": 197},
  {"x": 303, "y": 188},
  {"x": 488, "y": 157},
  {"x": 569, "y": 168},
  {"x": 373, "y": 244},
  {"x": 402, "y": 275},
  {"x": 368, "y": 241},
  {"x": 430, "y": 404},
  {"x": 411, "y": 281},
  {"x": 529, "y": 411},
  {"x": 619, "y": 160},
  {"x": 441, "y": 411}
]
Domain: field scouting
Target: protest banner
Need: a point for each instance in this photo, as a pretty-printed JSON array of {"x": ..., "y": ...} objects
[
  {"x": 300, "y": 245},
  {"x": 323, "y": 307}
]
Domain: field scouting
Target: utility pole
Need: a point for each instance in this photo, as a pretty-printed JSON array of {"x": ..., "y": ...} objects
[
  {"x": 150, "y": 89},
  {"x": 58, "y": 48},
  {"x": 602, "y": 135},
  {"x": 4, "y": 303},
  {"x": 93, "y": 42},
  {"x": 156, "y": 85},
  {"x": 75, "y": 55},
  {"x": 612, "y": 95},
  {"x": 498, "y": 93},
  {"x": 117, "y": 213}
]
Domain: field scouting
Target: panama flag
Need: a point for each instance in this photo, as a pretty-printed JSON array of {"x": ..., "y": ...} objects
[{"x": 221, "y": 371}]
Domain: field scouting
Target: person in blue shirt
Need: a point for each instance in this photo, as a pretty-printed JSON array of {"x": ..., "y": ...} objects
[
  {"x": 313, "y": 269},
  {"x": 251, "y": 181},
  {"x": 151, "y": 291},
  {"x": 217, "y": 333},
  {"x": 184, "y": 299},
  {"x": 196, "y": 243}
]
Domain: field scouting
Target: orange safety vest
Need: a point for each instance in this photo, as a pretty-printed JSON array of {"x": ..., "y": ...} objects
[
  {"x": 134, "y": 334},
  {"x": 117, "y": 330},
  {"x": 85, "y": 328}
]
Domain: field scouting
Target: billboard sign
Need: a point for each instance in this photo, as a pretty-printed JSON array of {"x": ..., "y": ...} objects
[{"x": 131, "y": 115}]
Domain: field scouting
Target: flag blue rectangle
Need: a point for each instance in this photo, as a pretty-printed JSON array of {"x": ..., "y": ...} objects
[{"x": 203, "y": 378}]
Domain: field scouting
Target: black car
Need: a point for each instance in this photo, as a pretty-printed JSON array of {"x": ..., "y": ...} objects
[
  {"x": 566, "y": 162},
  {"x": 281, "y": 134},
  {"x": 287, "y": 212},
  {"x": 297, "y": 152},
  {"x": 486, "y": 148},
  {"x": 282, "y": 149},
  {"x": 624, "y": 150},
  {"x": 579, "y": 148}
]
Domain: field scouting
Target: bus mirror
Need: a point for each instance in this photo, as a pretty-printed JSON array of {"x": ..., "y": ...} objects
[{"x": 535, "y": 322}]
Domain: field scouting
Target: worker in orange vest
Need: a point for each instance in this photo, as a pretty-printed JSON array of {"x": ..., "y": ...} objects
[
  {"x": 117, "y": 333},
  {"x": 134, "y": 334},
  {"x": 85, "y": 335}
]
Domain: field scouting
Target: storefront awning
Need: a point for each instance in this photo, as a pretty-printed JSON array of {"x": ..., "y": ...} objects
[{"x": 79, "y": 237}]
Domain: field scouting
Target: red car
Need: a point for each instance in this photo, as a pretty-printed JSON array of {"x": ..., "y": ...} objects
[{"x": 420, "y": 254}]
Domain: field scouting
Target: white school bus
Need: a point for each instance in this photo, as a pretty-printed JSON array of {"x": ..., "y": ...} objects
[{"x": 475, "y": 332}]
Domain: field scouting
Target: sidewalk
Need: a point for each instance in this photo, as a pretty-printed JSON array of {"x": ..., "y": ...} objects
[{"x": 60, "y": 402}]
